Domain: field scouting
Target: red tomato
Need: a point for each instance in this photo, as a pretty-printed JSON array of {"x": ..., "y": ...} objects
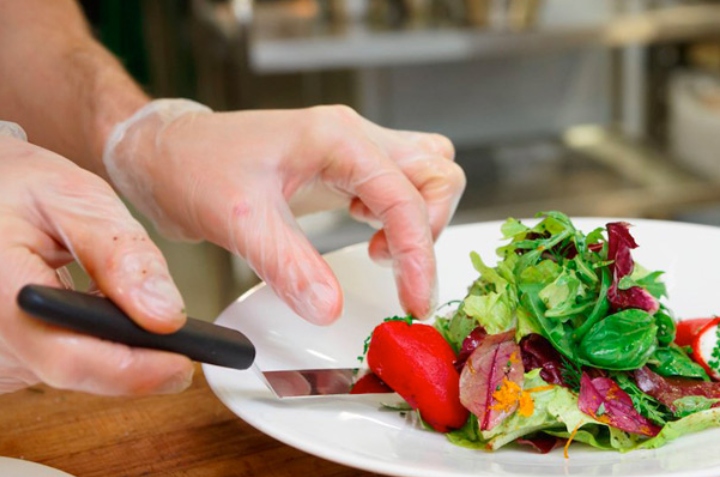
[
  {"x": 417, "y": 363},
  {"x": 369, "y": 384},
  {"x": 687, "y": 330},
  {"x": 703, "y": 347}
]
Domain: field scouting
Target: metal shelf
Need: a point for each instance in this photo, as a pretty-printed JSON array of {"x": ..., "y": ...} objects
[
  {"x": 597, "y": 173},
  {"x": 355, "y": 45}
]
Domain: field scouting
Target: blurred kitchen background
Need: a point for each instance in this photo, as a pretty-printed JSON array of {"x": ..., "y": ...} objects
[{"x": 592, "y": 107}]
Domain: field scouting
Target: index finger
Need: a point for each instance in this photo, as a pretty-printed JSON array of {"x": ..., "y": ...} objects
[
  {"x": 427, "y": 159},
  {"x": 387, "y": 192}
]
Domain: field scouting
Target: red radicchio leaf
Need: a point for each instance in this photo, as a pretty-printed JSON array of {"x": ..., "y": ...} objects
[
  {"x": 668, "y": 389},
  {"x": 542, "y": 443},
  {"x": 537, "y": 352},
  {"x": 495, "y": 363},
  {"x": 603, "y": 399},
  {"x": 620, "y": 242},
  {"x": 469, "y": 344}
]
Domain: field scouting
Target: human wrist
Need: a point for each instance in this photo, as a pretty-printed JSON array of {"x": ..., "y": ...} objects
[
  {"x": 167, "y": 110},
  {"x": 148, "y": 120},
  {"x": 119, "y": 101},
  {"x": 136, "y": 158}
]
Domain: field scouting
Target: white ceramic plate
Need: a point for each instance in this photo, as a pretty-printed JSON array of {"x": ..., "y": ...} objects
[
  {"x": 23, "y": 468},
  {"x": 355, "y": 432}
]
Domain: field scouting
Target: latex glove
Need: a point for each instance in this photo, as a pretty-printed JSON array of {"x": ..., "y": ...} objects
[
  {"x": 52, "y": 212},
  {"x": 10, "y": 129},
  {"x": 237, "y": 178}
]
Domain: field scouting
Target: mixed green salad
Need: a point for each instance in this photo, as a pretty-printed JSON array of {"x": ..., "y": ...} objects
[{"x": 565, "y": 339}]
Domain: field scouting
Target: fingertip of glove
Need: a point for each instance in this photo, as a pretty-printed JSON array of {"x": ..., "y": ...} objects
[
  {"x": 160, "y": 301},
  {"x": 321, "y": 305},
  {"x": 418, "y": 292},
  {"x": 177, "y": 382}
]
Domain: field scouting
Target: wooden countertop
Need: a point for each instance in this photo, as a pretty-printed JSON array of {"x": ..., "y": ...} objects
[{"x": 188, "y": 434}]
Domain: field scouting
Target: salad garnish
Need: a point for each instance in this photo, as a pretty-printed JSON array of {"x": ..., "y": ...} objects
[{"x": 565, "y": 339}]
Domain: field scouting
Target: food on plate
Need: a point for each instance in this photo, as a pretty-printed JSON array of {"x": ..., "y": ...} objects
[
  {"x": 687, "y": 330},
  {"x": 416, "y": 362},
  {"x": 565, "y": 339},
  {"x": 705, "y": 349}
]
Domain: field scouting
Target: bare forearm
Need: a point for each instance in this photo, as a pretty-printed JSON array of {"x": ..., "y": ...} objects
[{"x": 61, "y": 85}]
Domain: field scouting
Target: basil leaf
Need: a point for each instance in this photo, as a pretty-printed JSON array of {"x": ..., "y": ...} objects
[
  {"x": 622, "y": 341},
  {"x": 666, "y": 326},
  {"x": 672, "y": 361}
]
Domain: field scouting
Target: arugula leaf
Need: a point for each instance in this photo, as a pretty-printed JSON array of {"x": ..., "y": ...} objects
[
  {"x": 513, "y": 228},
  {"x": 565, "y": 296}
]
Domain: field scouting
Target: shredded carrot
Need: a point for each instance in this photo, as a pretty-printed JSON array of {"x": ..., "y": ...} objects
[
  {"x": 509, "y": 394},
  {"x": 506, "y": 396},
  {"x": 611, "y": 394},
  {"x": 604, "y": 418},
  {"x": 527, "y": 405},
  {"x": 538, "y": 389},
  {"x": 570, "y": 439}
]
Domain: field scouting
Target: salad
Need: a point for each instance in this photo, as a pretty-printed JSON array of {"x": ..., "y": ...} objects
[{"x": 566, "y": 339}]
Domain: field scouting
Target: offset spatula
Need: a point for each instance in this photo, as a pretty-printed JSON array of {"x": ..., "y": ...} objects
[{"x": 198, "y": 340}]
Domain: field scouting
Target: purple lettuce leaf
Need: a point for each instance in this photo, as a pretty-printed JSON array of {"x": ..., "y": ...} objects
[
  {"x": 603, "y": 400},
  {"x": 620, "y": 243},
  {"x": 469, "y": 344},
  {"x": 538, "y": 352},
  {"x": 667, "y": 390},
  {"x": 494, "y": 365},
  {"x": 543, "y": 443}
]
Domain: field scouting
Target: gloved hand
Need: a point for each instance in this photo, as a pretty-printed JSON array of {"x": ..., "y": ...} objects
[
  {"x": 52, "y": 212},
  {"x": 238, "y": 178}
]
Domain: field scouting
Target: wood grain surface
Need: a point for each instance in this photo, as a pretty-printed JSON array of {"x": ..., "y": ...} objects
[{"x": 187, "y": 434}]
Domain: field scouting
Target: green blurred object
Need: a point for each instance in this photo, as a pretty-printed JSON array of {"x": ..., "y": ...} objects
[
  {"x": 150, "y": 38},
  {"x": 121, "y": 31},
  {"x": 118, "y": 24}
]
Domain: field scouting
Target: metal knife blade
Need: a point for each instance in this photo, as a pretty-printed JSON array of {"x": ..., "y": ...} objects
[
  {"x": 310, "y": 382},
  {"x": 198, "y": 340}
]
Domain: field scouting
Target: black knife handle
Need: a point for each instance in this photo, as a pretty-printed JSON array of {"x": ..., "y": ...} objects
[{"x": 198, "y": 340}]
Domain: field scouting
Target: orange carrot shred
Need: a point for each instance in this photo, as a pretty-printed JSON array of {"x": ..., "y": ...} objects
[
  {"x": 570, "y": 439},
  {"x": 538, "y": 389}
]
